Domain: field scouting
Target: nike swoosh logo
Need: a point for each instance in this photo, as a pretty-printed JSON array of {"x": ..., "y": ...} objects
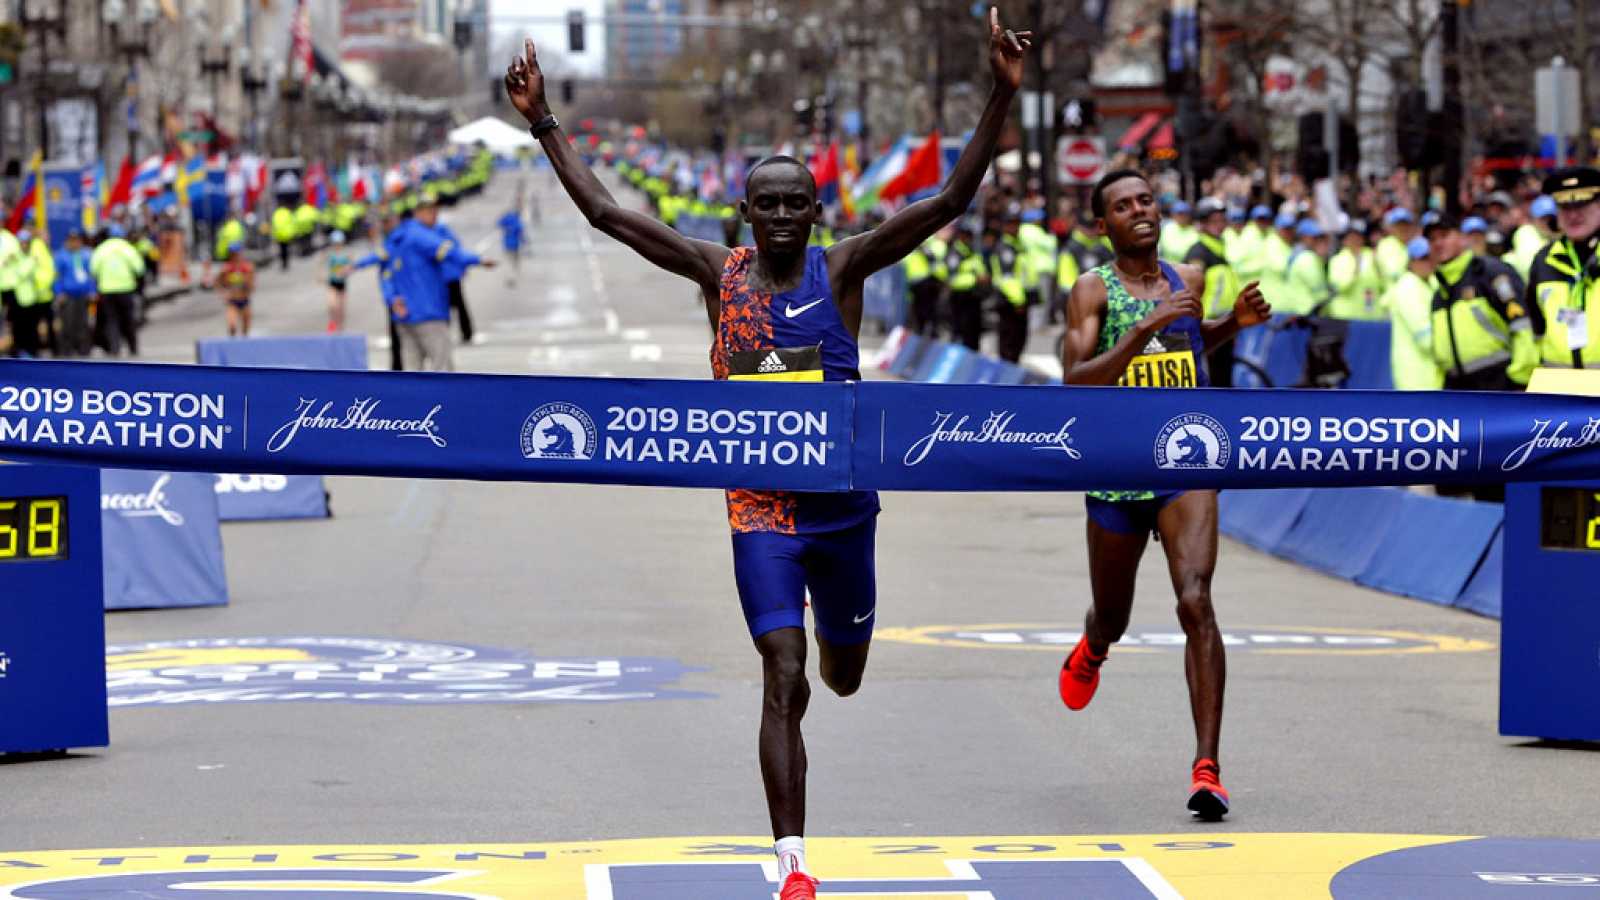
[
  {"x": 790, "y": 312},
  {"x": 859, "y": 619}
]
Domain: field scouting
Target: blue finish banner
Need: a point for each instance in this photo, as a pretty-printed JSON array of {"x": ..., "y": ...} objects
[
  {"x": 485, "y": 427},
  {"x": 815, "y": 437},
  {"x": 991, "y": 438}
]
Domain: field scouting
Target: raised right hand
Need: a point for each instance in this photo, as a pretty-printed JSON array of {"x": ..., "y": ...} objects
[
  {"x": 525, "y": 84},
  {"x": 1174, "y": 307}
]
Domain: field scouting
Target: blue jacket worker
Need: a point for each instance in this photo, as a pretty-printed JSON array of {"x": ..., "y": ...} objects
[{"x": 422, "y": 260}]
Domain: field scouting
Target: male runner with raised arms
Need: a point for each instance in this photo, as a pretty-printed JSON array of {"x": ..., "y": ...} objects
[
  {"x": 1139, "y": 321},
  {"x": 782, "y": 310}
]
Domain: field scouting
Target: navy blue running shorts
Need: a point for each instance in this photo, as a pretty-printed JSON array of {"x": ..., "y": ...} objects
[{"x": 774, "y": 570}]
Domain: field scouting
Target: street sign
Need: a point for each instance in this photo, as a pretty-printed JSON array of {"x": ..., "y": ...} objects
[{"x": 1080, "y": 159}]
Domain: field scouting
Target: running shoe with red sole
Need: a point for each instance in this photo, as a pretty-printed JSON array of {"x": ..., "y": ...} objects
[
  {"x": 798, "y": 886},
  {"x": 1080, "y": 675},
  {"x": 1208, "y": 799}
]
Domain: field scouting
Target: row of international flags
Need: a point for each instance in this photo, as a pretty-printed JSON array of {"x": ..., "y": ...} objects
[{"x": 160, "y": 181}]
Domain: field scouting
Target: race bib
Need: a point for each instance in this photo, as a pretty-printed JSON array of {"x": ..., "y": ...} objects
[
  {"x": 1577, "y": 322},
  {"x": 777, "y": 364},
  {"x": 1166, "y": 361}
]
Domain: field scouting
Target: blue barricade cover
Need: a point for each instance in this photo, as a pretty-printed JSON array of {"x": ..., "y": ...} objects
[
  {"x": 261, "y": 497},
  {"x": 1339, "y": 531},
  {"x": 163, "y": 544},
  {"x": 911, "y": 354},
  {"x": 777, "y": 436},
  {"x": 1483, "y": 590},
  {"x": 883, "y": 295},
  {"x": 1282, "y": 352},
  {"x": 1261, "y": 518},
  {"x": 319, "y": 351},
  {"x": 703, "y": 228},
  {"x": 948, "y": 366},
  {"x": 1430, "y": 547}
]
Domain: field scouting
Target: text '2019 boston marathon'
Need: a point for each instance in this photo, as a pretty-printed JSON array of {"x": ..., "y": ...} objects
[{"x": 90, "y": 417}]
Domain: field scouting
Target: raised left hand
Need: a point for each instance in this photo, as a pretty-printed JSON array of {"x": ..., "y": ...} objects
[
  {"x": 1250, "y": 307},
  {"x": 1007, "y": 51}
]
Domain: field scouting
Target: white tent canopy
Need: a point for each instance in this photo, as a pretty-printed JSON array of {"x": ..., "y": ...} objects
[{"x": 494, "y": 133}]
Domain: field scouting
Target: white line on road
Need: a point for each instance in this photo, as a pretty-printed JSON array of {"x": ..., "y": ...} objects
[
  {"x": 613, "y": 322},
  {"x": 644, "y": 353},
  {"x": 635, "y": 335}
]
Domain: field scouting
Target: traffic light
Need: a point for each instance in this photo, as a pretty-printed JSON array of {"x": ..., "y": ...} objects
[
  {"x": 575, "y": 31},
  {"x": 1411, "y": 129},
  {"x": 567, "y": 91}
]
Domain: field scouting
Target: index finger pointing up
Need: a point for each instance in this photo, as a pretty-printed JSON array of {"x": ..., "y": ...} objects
[{"x": 994, "y": 18}]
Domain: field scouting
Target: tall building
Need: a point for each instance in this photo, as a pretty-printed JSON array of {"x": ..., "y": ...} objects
[{"x": 644, "y": 36}]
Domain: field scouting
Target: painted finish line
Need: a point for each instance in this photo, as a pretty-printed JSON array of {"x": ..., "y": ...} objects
[
  {"x": 1112, "y": 867},
  {"x": 311, "y": 669},
  {"x": 1054, "y": 638}
]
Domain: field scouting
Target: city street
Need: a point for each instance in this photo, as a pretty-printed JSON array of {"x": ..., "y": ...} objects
[{"x": 1354, "y": 718}]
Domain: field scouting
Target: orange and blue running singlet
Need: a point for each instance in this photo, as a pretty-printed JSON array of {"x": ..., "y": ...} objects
[{"x": 787, "y": 541}]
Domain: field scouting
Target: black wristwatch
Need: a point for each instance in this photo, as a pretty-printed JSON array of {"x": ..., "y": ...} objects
[{"x": 544, "y": 126}]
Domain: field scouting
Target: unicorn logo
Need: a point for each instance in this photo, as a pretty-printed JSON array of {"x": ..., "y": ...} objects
[
  {"x": 558, "y": 431},
  {"x": 1193, "y": 441}
]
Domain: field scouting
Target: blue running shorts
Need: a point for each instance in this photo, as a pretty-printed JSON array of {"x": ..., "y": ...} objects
[
  {"x": 774, "y": 570},
  {"x": 1128, "y": 516}
]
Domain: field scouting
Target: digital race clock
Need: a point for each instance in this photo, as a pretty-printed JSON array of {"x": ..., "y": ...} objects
[
  {"x": 52, "y": 610},
  {"x": 1569, "y": 518},
  {"x": 33, "y": 528}
]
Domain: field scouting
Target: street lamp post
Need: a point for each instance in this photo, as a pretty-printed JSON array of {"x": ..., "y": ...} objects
[
  {"x": 215, "y": 62},
  {"x": 43, "y": 17},
  {"x": 252, "y": 80},
  {"x": 132, "y": 42}
]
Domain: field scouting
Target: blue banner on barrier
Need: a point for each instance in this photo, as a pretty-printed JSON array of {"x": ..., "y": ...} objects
[
  {"x": 782, "y": 436},
  {"x": 163, "y": 544}
]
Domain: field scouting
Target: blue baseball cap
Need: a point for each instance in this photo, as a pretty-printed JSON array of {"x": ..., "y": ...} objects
[
  {"x": 1181, "y": 208},
  {"x": 1543, "y": 205},
  {"x": 1474, "y": 225},
  {"x": 1308, "y": 228},
  {"x": 1260, "y": 212},
  {"x": 1236, "y": 214},
  {"x": 117, "y": 231},
  {"x": 1396, "y": 215},
  {"x": 235, "y": 247},
  {"x": 1417, "y": 248},
  {"x": 1033, "y": 215},
  {"x": 1431, "y": 217},
  {"x": 1285, "y": 220}
]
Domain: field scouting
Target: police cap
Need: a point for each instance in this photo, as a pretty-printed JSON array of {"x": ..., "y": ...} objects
[{"x": 1573, "y": 186}]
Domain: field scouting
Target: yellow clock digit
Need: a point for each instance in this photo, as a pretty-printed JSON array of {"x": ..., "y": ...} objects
[
  {"x": 1592, "y": 539},
  {"x": 44, "y": 527},
  {"x": 8, "y": 533}
]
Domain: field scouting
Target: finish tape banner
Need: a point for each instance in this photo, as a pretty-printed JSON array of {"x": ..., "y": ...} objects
[{"x": 783, "y": 436}]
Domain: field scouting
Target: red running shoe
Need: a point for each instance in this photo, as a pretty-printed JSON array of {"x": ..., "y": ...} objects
[
  {"x": 798, "y": 886},
  {"x": 1080, "y": 675},
  {"x": 1208, "y": 799}
]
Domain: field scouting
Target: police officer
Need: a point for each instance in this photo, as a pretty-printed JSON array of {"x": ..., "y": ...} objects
[
  {"x": 283, "y": 232},
  {"x": 1563, "y": 296},
  {"x": 968, "y": 287},
  {"x": 1353, "y": 275},
  {"x": 1041, "y": 247},
  {"x": 926, "y": 275},
  {"x": 1011, "y": 274},
  {"x": 1532, "y": 236},
  {"x": 1482, "y": 336},
  {"x": 1210, "y": 254},
  {"x": 1277, "y": 245},
  {"x": 117, "y": 268},
  {"x": 1305, "y": 280},
  {"x": 1178, "y": 233},
  {"x": 1393, "y": 260},
  {"x": 1409, "y": 303}
]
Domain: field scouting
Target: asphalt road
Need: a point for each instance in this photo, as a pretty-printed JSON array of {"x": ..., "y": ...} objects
[{"x": 942, "y": 739}]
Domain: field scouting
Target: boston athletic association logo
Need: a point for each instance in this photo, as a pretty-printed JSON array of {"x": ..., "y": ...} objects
[
  {"x": 559, "y": 431},
  {"x": 1193, "y": 441}
]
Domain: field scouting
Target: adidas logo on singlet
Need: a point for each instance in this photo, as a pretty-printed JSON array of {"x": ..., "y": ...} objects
[
  {"x": 1154, "y": 347},
  {"x": 771, "y": 364}
]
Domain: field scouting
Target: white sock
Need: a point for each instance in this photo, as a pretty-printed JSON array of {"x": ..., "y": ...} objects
[{"x": 791, "y": 853}]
